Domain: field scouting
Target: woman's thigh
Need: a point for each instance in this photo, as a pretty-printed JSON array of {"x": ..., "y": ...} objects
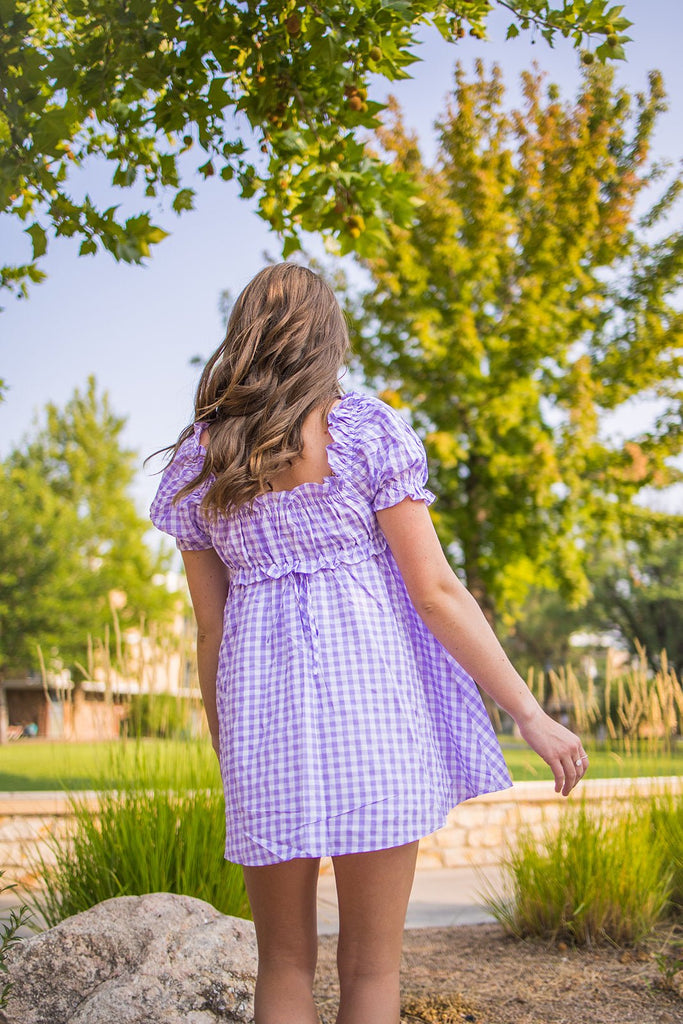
[
  {"x": 373, "y": 891},
  {"x": 283, "y": 899}
]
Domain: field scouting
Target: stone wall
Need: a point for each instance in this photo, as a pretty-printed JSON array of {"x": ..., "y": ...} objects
[
  {"x": 480, "y": 831},
  {"x": 477, "y": 832}
]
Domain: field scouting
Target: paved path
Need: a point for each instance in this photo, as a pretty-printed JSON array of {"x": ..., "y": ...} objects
[{"x": 440, "y": 898}]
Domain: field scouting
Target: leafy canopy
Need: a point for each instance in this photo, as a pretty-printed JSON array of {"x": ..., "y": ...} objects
[
  {"x": 273, "y": 94},
  {"x": 526, "y": 303}
]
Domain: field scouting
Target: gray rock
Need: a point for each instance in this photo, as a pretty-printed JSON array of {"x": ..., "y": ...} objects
[{"x": 160, "y": 958}]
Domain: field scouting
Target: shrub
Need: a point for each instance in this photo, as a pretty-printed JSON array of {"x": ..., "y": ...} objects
[
  {"x": 594, "y": 880},
  {"x": 148, "y": 836}
]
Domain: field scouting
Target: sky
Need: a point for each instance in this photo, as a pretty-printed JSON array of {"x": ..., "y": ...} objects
[{"x": 136, "y": 328}]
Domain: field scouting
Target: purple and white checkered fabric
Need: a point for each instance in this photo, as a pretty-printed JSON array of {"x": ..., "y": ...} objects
[{"x": 344, "y": 724}]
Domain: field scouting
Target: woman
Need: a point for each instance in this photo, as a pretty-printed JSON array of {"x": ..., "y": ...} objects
[{"x": 337, "y": 650}]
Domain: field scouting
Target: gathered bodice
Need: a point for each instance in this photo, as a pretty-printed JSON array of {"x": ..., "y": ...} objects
[{"x": 374, "y": 457}]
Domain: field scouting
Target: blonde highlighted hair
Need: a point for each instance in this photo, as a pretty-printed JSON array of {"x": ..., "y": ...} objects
[{"x": 285, "y": 345}]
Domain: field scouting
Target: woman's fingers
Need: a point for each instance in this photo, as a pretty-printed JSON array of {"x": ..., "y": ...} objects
[
  {"x": 556, "y": 768},
  {"x": 568, "y": 769},
  {"x": 570, "y": 774}
]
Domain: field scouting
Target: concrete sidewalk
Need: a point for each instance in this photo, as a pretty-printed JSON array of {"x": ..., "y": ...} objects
[{"x": 440, "y": 898}]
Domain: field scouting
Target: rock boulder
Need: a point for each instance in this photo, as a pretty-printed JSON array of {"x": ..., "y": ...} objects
[{"x": 160, "y": 958}]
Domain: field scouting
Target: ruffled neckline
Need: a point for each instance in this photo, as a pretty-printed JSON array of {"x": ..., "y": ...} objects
[{"x": 340, "y": 427}]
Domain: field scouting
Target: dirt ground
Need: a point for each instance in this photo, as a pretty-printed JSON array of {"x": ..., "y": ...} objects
[{"x": 479, "y": 975}]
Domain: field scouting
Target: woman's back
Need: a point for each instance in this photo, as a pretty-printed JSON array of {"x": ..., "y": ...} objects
[{"x": 340, "y": 714}]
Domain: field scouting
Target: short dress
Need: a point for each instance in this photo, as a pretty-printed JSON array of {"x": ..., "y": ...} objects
[{"x": 344, "y": 725}]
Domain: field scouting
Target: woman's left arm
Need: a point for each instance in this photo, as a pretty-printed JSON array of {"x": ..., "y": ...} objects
[
  {"x": 207, "y": 578},
  {"x": 453, "y": 616}
]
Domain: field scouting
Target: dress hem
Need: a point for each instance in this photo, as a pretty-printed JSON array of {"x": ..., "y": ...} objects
[{"x": 331, "y": 851}]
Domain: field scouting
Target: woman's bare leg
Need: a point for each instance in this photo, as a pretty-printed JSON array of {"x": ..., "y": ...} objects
[
  {"x": 283, "y": 900},
  {"x": 373, "y": 891}
]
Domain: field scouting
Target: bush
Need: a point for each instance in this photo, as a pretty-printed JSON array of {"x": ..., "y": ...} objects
[
  {"x": 148, "y": 836},
  {"x": 593, "y": 881}
]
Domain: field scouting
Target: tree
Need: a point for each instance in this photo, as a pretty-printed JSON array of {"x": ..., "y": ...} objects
[
  {"x": 525, "y": 304},
  {"x": 541, "y": 636},
  {"x": 139, "y": 84},
  {"x": 639, "y": 591},
  {"x": 71, "y": 536}
]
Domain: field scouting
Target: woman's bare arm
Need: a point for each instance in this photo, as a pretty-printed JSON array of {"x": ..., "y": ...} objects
[
  {"x": 207, "y": 578},
  {"x": 450, "y": 612}
]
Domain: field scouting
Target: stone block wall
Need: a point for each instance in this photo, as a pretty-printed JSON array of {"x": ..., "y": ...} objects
[
  {"x": 27, "y": 820},
  {"x": 478, "y": 832}
]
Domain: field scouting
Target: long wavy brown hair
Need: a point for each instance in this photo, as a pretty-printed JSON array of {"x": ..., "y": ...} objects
[{"x": 285, "y": 345}]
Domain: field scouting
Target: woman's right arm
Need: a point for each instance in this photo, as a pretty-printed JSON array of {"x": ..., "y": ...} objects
[
  {"x": 451, "y": 613},
  {"x": 207, "y": 578}
]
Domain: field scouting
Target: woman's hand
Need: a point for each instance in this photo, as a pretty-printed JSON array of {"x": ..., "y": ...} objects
[{"x": 560, "y": 748}]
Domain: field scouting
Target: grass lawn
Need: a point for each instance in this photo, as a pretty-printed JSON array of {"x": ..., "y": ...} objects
[
  {"x": 40, "y": 764},
  {"x": 44, "y": 765},
  {"x": 524, "y": 764}
]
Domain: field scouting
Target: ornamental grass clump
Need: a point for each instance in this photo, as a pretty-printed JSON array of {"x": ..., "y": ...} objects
[
  {"x": 146, "y": 836},
  {"x": 595, "y": 880},
  {"x": 666, "y": 817}
]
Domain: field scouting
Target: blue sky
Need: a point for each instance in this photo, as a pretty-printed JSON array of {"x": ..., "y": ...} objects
[{"x": 136, "y": 328}]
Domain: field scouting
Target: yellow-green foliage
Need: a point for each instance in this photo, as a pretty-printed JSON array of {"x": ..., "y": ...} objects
[
  {"x": 596, "y": 879},
  {"x": 153, "y": 834},
  {"x": 641, "y": 710}
]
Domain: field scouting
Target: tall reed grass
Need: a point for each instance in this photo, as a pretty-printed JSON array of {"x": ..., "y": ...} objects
[
  {"x": 638, "y": 710},
  {"x": 595, "y": 879},
  {"x": 162, "y": 830}
]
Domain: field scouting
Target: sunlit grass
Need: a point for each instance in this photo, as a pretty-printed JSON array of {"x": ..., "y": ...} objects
[
  {"x": 45, "y": 765},
  {"x": 525, "y": 765},
  {"x": 42, "y": 765}
]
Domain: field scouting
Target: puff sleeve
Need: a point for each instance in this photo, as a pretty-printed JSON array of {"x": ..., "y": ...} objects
[
  {"x": 183, "y": 519},
  {"x": 396, "y": 458}
]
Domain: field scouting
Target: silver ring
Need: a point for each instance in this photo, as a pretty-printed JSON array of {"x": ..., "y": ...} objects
[{"x": 579, "y": 762}]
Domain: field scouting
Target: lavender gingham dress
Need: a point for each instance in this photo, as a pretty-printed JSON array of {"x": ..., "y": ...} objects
[{"x": 345, "y": 726}]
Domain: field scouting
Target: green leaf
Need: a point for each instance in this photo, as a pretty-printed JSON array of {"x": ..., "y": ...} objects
[
  {"x": 5, "y": 134},
  {"x": 156, "y": 235},
  {"x": 217, "y": 96},
  {"x": 39, "y": 240},
  {"x": 290, "y": 142},
  {"x": 290, "y": 245},
  {"x": 184, "y": 200}
]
